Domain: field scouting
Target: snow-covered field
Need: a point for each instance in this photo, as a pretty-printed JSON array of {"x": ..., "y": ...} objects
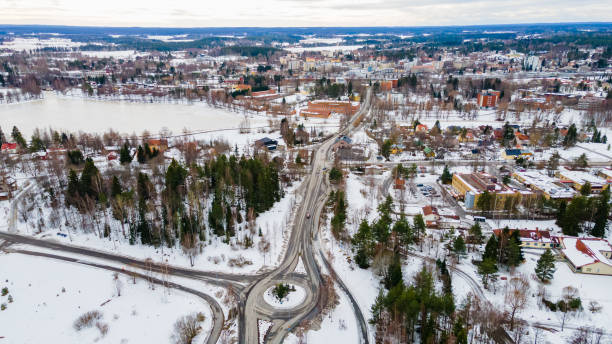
[{"x": 48, "y": 296}]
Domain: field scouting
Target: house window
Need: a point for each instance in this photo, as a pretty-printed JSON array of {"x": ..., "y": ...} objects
[{"x": 588, "y": 270}]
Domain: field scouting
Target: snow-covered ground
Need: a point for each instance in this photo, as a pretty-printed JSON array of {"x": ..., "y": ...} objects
[
  {"x": 48, "y": 296},
  {"x": 292, "y": 300},
  {"x": 215, "y": 256},
  {"x": 339, "y": 326}
]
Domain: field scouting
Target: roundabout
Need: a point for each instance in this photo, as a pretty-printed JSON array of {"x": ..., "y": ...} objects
[{"x": 294, "y": 298}]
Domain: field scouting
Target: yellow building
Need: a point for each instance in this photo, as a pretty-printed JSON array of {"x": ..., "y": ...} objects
[
  {"x": 578, "y": 178},
  {"x": 471, "y": 186},
  {"x": 547, "y": 186},
  {"x": 587, "y": 255}
]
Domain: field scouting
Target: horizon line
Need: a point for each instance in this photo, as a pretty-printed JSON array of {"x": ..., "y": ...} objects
[{"x": 307, "y": 27}]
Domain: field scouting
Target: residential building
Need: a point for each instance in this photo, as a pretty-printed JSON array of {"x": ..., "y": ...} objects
[
  {"x": 488, "y": 99},
  {"x": 533, "y": 238},
  {"x": 549, "y": 187},
  {"x": 471, "y": 186},
  {"x": 324, "y": 108},
  {"x": 587, "y": 255},
  {"x": 267, "y": 143},
  {"x": 578, "y": 178},
  {"x": 512, "y": 154},
  {"x": 431, "y": 216}
]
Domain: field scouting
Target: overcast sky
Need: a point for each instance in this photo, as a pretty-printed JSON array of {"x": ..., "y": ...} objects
[{"x": 204, "y": 13}]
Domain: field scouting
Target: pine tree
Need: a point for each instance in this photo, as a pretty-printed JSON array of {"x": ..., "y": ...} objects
[
  {"x": 73, "y": 187},
  {"x": 124, "y": 154},
  {"x": 2, "y": 137},
  {"x": 585, "y": 190},
  {"x": 545, "y": 267},
  {"x": 18, "y": 138},
  {"x": 364, "y": 244},
  {"x": 487, "y": 268},
  {"x": 89, "y": 177},
  {"x": 446, "y": 177},
  {"x": 403, "y": 231},
  {"x": 393, "y": 275},
  {"x": 419, "y": 227},
  {"x": 116, "y": 188},
  {"x": 140, "y": 155},
  {"x": 459, "y": 246},
  {"x": 491, "y": 249},
  {"x": 602, "y": 212}
]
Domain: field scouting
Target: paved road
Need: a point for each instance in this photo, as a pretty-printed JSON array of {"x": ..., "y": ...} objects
[
  {"x": 250, "y": 288},
  {"x": 300, "y": 246}
]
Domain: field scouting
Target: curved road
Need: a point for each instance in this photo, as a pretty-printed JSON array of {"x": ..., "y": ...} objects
[{"x": 250, "y": 288}]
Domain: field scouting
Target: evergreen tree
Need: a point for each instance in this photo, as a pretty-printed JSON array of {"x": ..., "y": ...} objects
[
  {"x": 2, "y": 137},
  {"x": 116, "y": 188},
  {"x": 385, "y": 149},
  {"x": 475, "y": 233},
  {"x": 561, "y": 213},
  {"x": 508, "y": 135},
  {"x": 487, "y": 269},
  {"x": 571, "y": 136},
  {"x": 229, "y": 222},
  {"x": 140, "y": 155},
  {"x": 72, "y": 190},
  {"x": 89, "y": 178},
  {"x": 514, "y": 254},
  {"x": 403, "y": 231},
  {"x": 393, "y": 274},
  {"x": 553, "y": 162},
  {"x": 545, "y": 267},
  {"x": 459, "y": 246},
  {"x": 585, "y": 190},
  {"x": 175, "y": 179},
  {"x": 363, "y": 241},
  {"x": 143, "y": 186},
  {"x": 446, "y": 177},
  {"x": 18, "y": 138},
  {"x": 125, "y": 157},
  {"x": 215, "y": 215},
  {"x": 491, "y": 249},
  {"x": 419, "y": 227},
  {"x": 381, "y": 227},
  {"x": 602, "y": 212},
  {"x": 485, "y": 201},
  {"x": 339, "y": 218}
]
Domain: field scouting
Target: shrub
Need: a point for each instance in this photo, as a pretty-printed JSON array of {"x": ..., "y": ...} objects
[
  {"x": 281, "y": 290},
  {"x": 186, "y": 328},
  {"x": 87, "y": 320},
  {"x": 5, "y": 291}
]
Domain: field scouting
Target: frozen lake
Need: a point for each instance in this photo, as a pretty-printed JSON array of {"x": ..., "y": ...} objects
[{"x": 78, "y": 114}]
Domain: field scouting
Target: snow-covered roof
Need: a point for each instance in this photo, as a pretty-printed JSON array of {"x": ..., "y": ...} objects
[
  {"x": 540, "y": 181},
  {"x": 581, "y": 177},
  {"x": 585, "y": 251}
]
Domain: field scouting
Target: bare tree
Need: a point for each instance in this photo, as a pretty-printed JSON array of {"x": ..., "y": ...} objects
[
  {"x": 186, "y": 328},
  {"x": 516, "y": 296}
]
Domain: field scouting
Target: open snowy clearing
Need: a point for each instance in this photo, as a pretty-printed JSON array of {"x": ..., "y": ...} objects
[
  {"x": 49, "y": 296},
  {"x": 340, "y": 326}
]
